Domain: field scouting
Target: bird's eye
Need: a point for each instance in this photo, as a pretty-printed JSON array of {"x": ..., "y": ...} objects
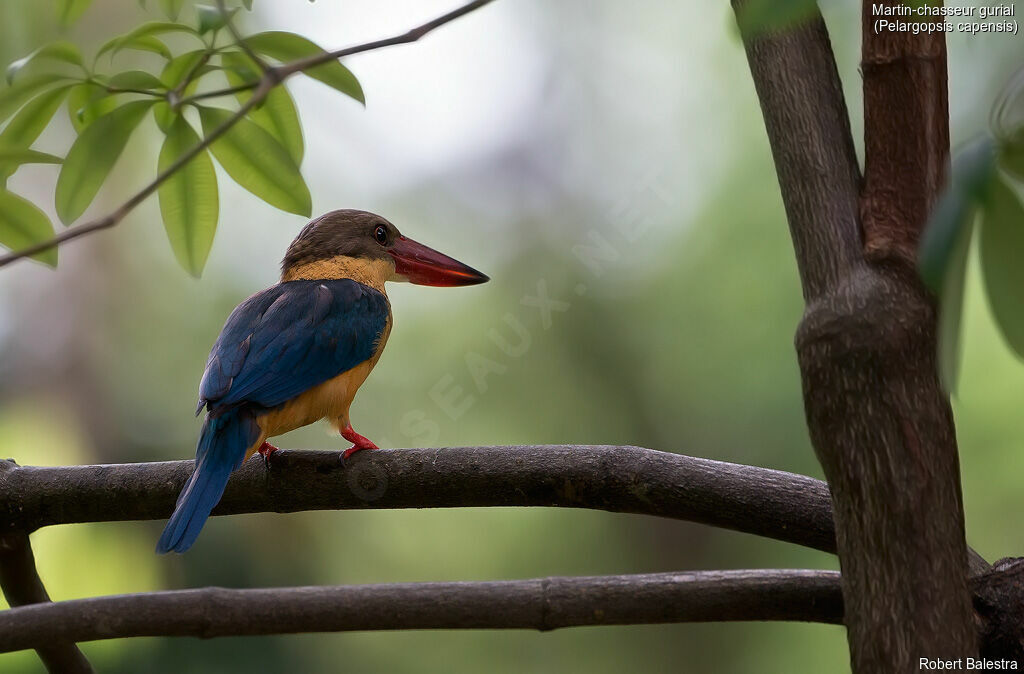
[{"x": 381, "y": 234}]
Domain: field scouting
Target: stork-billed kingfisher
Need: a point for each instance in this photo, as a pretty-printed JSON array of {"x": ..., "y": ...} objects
[{"x": 297, "y": 352}]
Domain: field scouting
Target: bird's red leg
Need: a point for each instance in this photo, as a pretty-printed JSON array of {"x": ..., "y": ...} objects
[
  {"x": 265, "y": 450},
  {"x": 358, "y": 442}
]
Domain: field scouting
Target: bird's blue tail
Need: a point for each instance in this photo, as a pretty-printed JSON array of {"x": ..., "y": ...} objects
[{"x": 221, "y": 449}]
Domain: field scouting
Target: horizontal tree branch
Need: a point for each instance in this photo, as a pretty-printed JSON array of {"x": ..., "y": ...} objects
[
  {"x": 22, "y": 587},
  {"x": 766, "y": 502},
  {"x": 271, "y": 78},
  {"x": 541, "y": 604},
  {"x": 771, "y": 503}
]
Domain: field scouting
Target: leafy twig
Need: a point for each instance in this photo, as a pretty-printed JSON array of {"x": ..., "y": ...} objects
[
  {"x": 239, "y": 40},
  {"x": 270, "y": 78}
]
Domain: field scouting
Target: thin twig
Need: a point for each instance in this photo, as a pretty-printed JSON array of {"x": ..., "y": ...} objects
[
  {"x": 129, "y": 90},
  {"x": 239, "y": 40},
  {"x": 217, "y": 93},
  {"x": 23, "y": 587},
  {"x": 411, "y": 36},
  {"x": 271, "y": 78},
  {"x": 174, "y": 97},
  {"x": 539, "y": 604}
]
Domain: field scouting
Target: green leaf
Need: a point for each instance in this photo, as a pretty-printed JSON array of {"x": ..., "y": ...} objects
[
  {"x": 1011, "y": 154},
  {"x": 172, "y": 8},
  {"x": 972, "y": 173},
  {"x": 951, "y": 290},
  {"x": 164, "y": 116},
  {"x": 22, "y": 224},
  {"x": 55, "y": 51},
  {"x": 136, "y": 79},
  {"x": 20, "y": 155},
  {"x": 16, "y": 95},
  {"x": 210, "y": 18},
  {"x": 248, "y": 4},
  {"x": 93, "y": 155},
  {"x": 284, "y": 47},
  {"x": 769, "y": 16},
  {"x": 146, "y": 43},
  {"x": 180, "y": 66},
  {"x": 25, "y": 127},
  {"x": 188, "y": 199},
  {"x": 87, "y": 102},
  {"x": 147, "y": 31},
  {"x": 942, "y": 255},
  {"x": 70, "y": 10},
  {"x": 257, "y": 162},
  {"x": 1002, "y": 247},
  {"x": 277, "y": 114},
  {"x": 30, "y": 121}
]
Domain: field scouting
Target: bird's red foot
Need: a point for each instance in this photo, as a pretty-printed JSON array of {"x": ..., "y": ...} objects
[
  {"x": 265, "y": 450},
  {"x": 358, "y": 442}
]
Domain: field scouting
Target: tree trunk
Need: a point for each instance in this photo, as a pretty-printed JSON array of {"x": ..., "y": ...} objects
[{"x": 880, "y": 423}]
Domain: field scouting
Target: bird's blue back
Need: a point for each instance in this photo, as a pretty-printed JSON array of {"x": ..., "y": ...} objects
[
  {"x": 276, "y": 345},
  {"x": 289, "y": 338}
]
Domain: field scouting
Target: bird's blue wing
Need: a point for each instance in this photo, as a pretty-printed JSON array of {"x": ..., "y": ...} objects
[{"x": 289, "y": 338}]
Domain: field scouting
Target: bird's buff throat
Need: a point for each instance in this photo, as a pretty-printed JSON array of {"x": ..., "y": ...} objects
[{"x": 372, "y": 273}]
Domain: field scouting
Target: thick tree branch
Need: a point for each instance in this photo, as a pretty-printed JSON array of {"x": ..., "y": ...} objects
[
  {"x": 808, "y": 127},
  {"x": 540, "y": 604},
  {"x": 766, "y": 502},
  {"x": 23, "y": 587},
  {"x": 761, "y": 501},
  {"x": 271, "y": 78}
]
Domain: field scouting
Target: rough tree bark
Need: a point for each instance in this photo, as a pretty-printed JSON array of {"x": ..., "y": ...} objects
[{"x": 879, "y": 420}]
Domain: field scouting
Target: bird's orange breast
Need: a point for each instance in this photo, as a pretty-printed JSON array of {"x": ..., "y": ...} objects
[{"x": 329, "y": 400}]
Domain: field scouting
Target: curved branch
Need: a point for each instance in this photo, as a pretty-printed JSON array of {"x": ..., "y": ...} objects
[
  {"x": 23, "y": 587},
  {"x": 761, "y": 501},
  {"x": 270, "y": 79},
  {"x": 541, "y": 604}
]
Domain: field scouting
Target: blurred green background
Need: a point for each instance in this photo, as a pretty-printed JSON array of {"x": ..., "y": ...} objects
[{"x": 510, "y": 140}]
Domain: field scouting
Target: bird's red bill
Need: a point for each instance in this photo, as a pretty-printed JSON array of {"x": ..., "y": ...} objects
[{"x": 427, "y": 267}]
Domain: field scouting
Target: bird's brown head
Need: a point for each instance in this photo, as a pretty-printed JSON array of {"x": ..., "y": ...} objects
[{"x": 368, "y": 248}]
